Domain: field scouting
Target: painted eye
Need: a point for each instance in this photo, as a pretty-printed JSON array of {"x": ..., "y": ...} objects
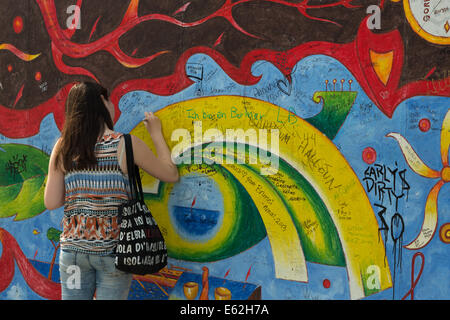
[{"x": 217, "y": 221}]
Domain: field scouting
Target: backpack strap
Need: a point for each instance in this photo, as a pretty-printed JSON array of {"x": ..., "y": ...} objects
[{"x": 133, "y": 170}]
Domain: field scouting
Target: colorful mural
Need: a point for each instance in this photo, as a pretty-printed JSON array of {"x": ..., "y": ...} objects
[{"x": 338, "y": 189}]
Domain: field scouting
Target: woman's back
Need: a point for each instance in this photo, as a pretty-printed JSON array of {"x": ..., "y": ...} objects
[{"x": 92, "y": 199}]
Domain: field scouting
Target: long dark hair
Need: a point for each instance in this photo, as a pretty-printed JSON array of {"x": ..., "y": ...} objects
[{"x": 86, "y": 117}]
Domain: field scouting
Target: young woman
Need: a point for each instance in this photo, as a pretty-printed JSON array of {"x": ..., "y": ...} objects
[{"x": 88, "y": 175}]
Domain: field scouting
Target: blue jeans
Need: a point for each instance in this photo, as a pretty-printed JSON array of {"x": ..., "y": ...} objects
[{"x": 83, "y": 275}]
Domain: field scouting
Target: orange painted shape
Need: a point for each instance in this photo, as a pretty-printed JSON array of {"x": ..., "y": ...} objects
[{"x": 382, "y": 64}]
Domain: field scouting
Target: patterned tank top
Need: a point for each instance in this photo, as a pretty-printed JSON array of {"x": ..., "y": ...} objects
[{"x": 91, "y": 202}]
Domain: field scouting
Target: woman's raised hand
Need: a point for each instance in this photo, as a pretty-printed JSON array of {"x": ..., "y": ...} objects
[{"x": 152, "y": 123}]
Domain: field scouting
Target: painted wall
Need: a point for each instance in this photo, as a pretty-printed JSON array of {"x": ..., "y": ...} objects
[{"x": 349, "y": 106}]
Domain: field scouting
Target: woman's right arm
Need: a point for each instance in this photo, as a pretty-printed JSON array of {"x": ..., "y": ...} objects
[{"x": 161, "y": 166}]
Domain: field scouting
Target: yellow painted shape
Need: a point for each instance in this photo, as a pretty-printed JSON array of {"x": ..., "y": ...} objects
[
  {"x": 382, "y": 64},
  {"x": 299, "y": 205},
  {"x": 430, "y": 220},
  {"x": 318, "y": 160},
  {"x": 20, "y": 54},
  {"x": 302, "y": 210},
  {"x": 412, "y": 158},
  {"x": 287, "y": 252}
]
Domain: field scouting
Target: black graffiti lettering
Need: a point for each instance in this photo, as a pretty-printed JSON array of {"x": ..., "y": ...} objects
[
  {"x": 16, "y": 165},
  {"x": 381, "y": 214},
  {"x": 405, "y": 184},
  {"x": 397, "y": 229},
  {"x": 383, "y": 180},
  {"x": 398, "y": 223},
  {"x": 386, "y": 182},
  {"x": 396, "y": 198},
  {"x": 381, "y": 172}
]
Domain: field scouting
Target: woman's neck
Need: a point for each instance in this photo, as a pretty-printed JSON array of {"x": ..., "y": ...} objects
[{"x": 105, "y": 132}]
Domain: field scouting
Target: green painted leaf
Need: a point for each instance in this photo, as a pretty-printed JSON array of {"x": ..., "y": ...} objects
[
  {"x": 23, "y": 172},
  {"x": 53, "y": 234}
]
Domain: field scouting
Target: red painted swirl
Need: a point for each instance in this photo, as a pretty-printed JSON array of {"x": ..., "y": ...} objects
[{"x": 36, "y": 281}]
